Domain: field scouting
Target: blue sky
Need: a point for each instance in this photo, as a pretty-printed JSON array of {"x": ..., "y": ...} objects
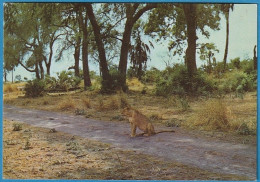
[{"x": 243, "y": 37}]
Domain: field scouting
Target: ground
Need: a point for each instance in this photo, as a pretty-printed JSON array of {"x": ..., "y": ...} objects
[
  {"x": 95, "y": 157},
  {"x": 58, "y": 155}
]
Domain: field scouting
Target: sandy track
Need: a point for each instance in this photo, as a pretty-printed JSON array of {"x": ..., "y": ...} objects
[{"x": 208, "y": 154}]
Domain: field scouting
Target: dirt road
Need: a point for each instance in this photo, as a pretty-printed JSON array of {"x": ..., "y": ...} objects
[{"x": 205, "y": 153}]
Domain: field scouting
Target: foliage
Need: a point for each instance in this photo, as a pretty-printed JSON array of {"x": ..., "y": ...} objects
[
  {"x": 237, "y": 81},
  {"x": 35, "y": 88},
  {"x": 65, "y": 81},
  {"x": 110, "y": 87},
  {"x": 235, "y": 63},
  {"x": 176, "y": 80},
  {"x": 139, "y": 54},
  {"x": 30, "y": 35},
  {"x": 151, "y": 76}
]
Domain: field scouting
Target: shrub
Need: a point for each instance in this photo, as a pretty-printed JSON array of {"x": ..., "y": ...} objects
[
  {"x": 237, "y": 81},
  {"x": 65, "y": 81},
  {"x": 108, "y": 87},
  {"x": 17, "y": 126},
  {"x": 176, "y": 80},
  {"x": 152, "y": 75},
  {"x": 35, "y": 88},
  {"x": 235, "y": 63}
]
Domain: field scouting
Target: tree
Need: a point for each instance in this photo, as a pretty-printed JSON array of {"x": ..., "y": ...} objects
[
  {"x": 31, "y": 34},
  {"x": 207, "y": 52},
  {"x": 83, "y": 22},
  {"x": 106, "y": 77},
  {"x": 191, "y": 21},
  {"x": 133, "y": 12},
  {"x": 179, "y": 24},
  {"x": 138, "y": 52},
  {"x": 225, "y": 8}
]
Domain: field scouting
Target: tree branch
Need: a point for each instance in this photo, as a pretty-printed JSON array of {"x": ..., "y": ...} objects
[{"x": 26, "y": 67}]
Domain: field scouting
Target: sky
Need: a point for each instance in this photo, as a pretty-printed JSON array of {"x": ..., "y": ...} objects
[{"x": 243, "y": 38}]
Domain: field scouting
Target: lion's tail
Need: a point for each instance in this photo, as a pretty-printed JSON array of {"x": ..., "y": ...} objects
[{"x": 164, "y": 131}]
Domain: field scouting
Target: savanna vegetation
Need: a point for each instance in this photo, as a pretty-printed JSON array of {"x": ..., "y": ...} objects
[{"x": 217, "y": 98}]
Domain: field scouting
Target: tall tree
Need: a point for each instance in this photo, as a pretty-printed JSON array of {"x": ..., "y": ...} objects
[
  {"x": 190, "y": 11},
  {"x": 106, "y": 77},
  {"x": 179, "y": 23},
  {"x": 139, "y": 51},
  {"x": 133, "y": 12},
  {"x": 207, "y": 52},
  {"x": 83, "y": 22},
  {"x": 225, "y": 8},
  {"x": 32, "y": 34}
]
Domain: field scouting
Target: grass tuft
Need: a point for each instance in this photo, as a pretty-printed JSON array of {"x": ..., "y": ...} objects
[
  {"x": 212, "y": 115},
  {"x": 66, "y": 104},
  {"x": 86, "y": 102}
]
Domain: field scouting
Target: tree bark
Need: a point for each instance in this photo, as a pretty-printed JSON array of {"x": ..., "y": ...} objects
[
  {"x": 37, "y": 74},
  {"x": 124, "y": 53},
  {"x": 227, "y": 39},
  {"x": 190, "y": 58},
  {"x": 41, "y": 70},
  {"x": 106, "y": 77},
  {"x": 76, "y": 56},
  {"x": 83, "y": 25},
  {"x": 255, "y": 59}
]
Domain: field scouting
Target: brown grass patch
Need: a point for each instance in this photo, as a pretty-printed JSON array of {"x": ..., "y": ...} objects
[
  {"x": 86, "y": 102},
  {"x": 12, "y": 87},
  {"x": 67, "y": 104},
  {"x": 212, "y": 115}
]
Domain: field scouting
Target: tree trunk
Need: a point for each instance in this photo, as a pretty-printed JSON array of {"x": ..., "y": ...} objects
[
  {"x": 37, "y": 74},
  {"x": 13, "y": 75},
  {"x": 106, "y": 77},
  {"x": 83, "y": 25},
  {"x": 227, "y": 39},
  {"x": 76, "y": 56},
  {"x": 41, "y": 70},
  {"x": 255, "y": 59},
  {"x": 5, "y": 75},
  {"x": 190, "y": 58},
  {"x": 124, "y": 53}
]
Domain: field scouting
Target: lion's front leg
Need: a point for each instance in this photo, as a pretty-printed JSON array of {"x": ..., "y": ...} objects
[{"x": 133, "y": 130}]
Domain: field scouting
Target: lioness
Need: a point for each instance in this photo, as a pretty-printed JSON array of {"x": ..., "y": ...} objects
[{"x": 139, "y": 120}]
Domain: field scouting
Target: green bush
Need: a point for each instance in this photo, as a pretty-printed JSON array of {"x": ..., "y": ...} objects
[
  {"x": 237, "y": 81},
  {"x": 176, "y": 80},
  {"x": 151, "y": 76},
  {"x": 65, "y": 81},
  {"x": 116, "y": 80},
  {"x": 35, "y": 88}
]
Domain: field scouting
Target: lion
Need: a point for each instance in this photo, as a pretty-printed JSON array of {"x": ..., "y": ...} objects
[{"x": 139, "y": 120}]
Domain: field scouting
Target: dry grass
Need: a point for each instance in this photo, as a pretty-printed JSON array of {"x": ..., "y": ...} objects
[
  {"x": 67, "y": 104},
  {"x": 212, "y": 115},
  {"x": 12, "y": 87},
  {"x": 86, "y": 102},
  {"x": 108, "y": 103},
  {"x": 196, "y": 113}
]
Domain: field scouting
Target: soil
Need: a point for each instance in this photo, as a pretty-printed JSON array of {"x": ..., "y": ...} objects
[{"x": 206, "y": 152}]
